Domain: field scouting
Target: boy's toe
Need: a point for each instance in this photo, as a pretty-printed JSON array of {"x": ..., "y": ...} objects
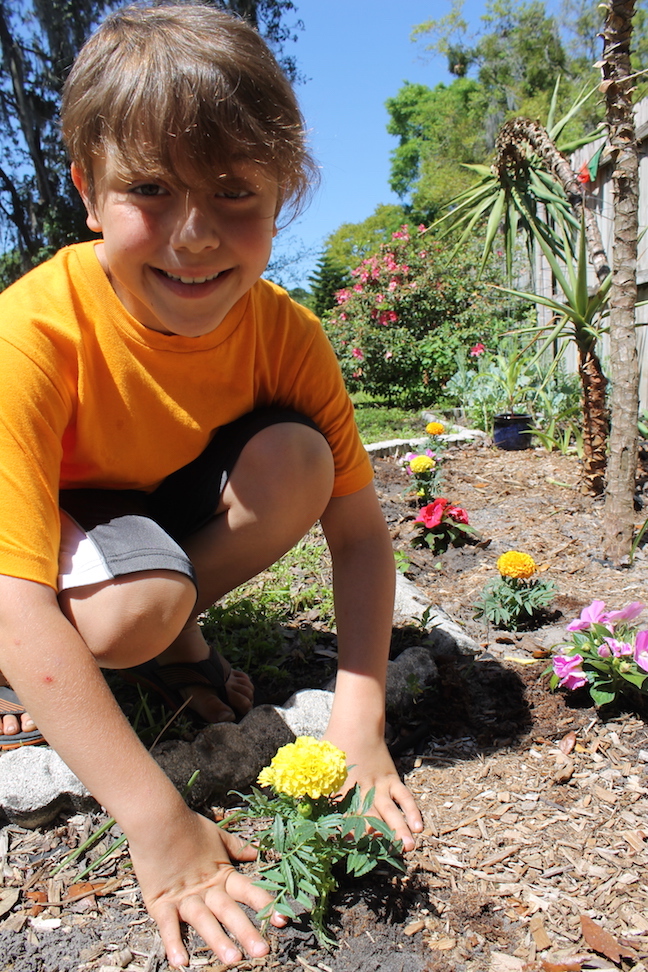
[
  {"x": 10, "y": 725},
  {"x": 240, "y": 691}
]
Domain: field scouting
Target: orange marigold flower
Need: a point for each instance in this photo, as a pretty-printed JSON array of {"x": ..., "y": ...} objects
[
  {"x": 435, "y": 428},
  {"x": 516, "y": 564}
]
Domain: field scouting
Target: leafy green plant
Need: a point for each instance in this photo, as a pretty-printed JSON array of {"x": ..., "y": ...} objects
[
  {"x": 395, "y": 331},
  {"x": 508, "y": 380},
  {"x": 515, "y": 598},
  {"x": 606, "y": 654},
  {"x": 311, "y": 831},
  {"x": 402, "y": 561}
]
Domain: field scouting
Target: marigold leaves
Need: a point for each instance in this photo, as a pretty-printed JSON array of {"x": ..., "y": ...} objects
[
  {"x": 602, "y": 941},
  {"x": 282, "y": 907},
  {"x": 368, "y": 801}
]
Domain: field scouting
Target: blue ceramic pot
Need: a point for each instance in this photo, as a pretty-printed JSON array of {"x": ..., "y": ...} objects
[{"x": 511, "y": 431}]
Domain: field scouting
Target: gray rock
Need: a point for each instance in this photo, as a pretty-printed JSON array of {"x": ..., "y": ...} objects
[
  {"x": 36, "y": 785},
  {"x": 445, "y": 637},
  {"x": 228, "y": 756},
  {"x": 308, "y": 712},
  {"x": 413, "y": 671}
]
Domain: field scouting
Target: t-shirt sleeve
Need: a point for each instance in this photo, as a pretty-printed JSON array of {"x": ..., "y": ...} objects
[
  {"x": 316, "y": 388},
  {"x": 32, "y": 423}
]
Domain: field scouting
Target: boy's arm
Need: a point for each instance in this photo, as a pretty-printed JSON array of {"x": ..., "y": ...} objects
[
  {"x": 363, "y": 583},
  {"x": 182, "y": 860}
]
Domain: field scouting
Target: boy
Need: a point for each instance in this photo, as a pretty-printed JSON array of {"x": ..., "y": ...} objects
[{"x": 171, "y": 425}]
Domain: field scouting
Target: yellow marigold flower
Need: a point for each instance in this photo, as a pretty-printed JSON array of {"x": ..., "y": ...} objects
[
  {"x": 435, "y": 428},
  {"x": 420, "y": 464},
  {"x": 308, "y": 767},
  {"x": 516, "y": 564}
]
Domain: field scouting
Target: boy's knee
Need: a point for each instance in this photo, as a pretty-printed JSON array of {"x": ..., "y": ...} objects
[
  {"x": 295, "y": 452},
  {"x": 132, "y": 618}
]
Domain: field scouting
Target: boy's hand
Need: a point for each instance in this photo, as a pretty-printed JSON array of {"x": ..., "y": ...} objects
[
  {"x": 372, "y": 766},
  {"x": 190, "y": 878}
]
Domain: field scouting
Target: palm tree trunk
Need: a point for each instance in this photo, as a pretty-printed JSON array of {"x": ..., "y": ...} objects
[
  {"x": 595, "y": 417},
  {"x": 622, "y": 468}
]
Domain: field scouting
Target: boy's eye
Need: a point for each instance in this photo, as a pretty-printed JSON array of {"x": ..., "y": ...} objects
[
  {"x": 148, "y": 189},
  {"x": 233, "y": 193}
]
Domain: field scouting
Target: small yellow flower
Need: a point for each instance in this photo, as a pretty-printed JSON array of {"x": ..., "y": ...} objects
[
  {"x": 420, "y": 464},
  {"x": 516, "y": 564},
  {"x": 435, "y": 428},
  {"x": 307, "y": 767}
]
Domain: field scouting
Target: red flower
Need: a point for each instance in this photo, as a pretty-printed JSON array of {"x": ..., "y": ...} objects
[
  {"x": 432, "y": 514},
  {"x": 457, "y": 513},
  {"x": 477, "y": 349}
]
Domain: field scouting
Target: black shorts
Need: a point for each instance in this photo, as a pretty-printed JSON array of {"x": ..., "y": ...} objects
[{"x": 106, "y": 533}]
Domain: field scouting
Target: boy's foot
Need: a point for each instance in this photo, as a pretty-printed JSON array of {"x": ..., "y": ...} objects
[
  {"x": 218, "y": 692},
  {"x": 17, "y": 726}
]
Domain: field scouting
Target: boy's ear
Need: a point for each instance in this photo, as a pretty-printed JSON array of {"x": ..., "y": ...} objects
[{"x": 81, "y": 184}]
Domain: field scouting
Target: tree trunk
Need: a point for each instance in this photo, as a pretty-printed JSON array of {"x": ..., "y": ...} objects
[
  {"x": 595, "y": 418},
  {"x": 624, "y": 371}
]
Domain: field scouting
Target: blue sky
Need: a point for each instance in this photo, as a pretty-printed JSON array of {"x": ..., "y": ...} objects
[{"x": 355, "y": 55}]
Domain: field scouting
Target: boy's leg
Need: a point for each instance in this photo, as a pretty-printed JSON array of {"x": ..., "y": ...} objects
[
  {"x": 278, "y": 488},
  {"x": 279, "y": 483}
]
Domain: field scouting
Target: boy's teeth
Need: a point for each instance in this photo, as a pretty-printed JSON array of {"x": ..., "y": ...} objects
[{"x": 191, "y": 280}]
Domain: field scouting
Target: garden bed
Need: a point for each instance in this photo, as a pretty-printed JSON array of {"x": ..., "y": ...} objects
[{"x": 535, "y": 806}]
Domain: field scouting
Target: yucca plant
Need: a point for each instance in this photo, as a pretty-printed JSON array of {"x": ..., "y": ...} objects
[
  {"x": 579, "y": 317},
  {"x": 530, "y": 168}
]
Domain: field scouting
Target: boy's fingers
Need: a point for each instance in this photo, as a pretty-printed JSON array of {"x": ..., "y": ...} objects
[
  {"x": 166, "y": 918},
  {"x": 210, "y": 916},
  {"x": 398, "y": 809},
  {"x": 237, "y": 849},
  {"x": 237, "y": 923}
]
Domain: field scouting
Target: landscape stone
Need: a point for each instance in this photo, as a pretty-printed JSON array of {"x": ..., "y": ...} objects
[
  {"x": 307, "y": 712},
  {"x": 36, "y": 785},
  {"x": 413, "y": 671},
  {"x": 229, "y": 756}
]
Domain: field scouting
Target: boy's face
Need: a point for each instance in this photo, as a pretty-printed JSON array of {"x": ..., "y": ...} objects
[{"x": 180, "y": 259}]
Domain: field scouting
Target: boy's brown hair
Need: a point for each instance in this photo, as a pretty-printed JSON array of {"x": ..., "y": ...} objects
[{"x": 184, "y": 90}]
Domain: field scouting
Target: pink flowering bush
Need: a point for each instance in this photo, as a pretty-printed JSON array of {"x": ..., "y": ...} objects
[
  {"x": 606, "y": 653},
  {"x": 397, "y": 327},
  {"x": 443, "y": 525}
]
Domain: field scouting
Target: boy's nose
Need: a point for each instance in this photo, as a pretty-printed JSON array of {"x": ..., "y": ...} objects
[{"x": 194, "y": 230}]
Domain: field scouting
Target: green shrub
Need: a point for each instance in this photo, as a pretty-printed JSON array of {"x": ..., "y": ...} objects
[{"x": 397, "y": 329}]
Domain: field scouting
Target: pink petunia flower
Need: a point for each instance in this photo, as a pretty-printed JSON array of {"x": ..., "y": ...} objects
[
  {"x": 628, "y": 613},
  {"x": 641, "y": 650},
  {"x": 477, "y": 349},
  {"x": 594, "y": 614},
  {"x": 569, "y": 671},
  {"x": 618, "y": 648}
]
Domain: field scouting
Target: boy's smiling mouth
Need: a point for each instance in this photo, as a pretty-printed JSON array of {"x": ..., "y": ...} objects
[{"x": 189, "y": 280}]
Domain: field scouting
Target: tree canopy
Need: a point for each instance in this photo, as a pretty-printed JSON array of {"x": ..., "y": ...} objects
[{"x": 508, "y": 68}]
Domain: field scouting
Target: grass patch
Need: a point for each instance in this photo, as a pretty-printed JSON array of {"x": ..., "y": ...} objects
[
  {"x": 279, "y": 627},
  {"x": 377, "y": 422}
]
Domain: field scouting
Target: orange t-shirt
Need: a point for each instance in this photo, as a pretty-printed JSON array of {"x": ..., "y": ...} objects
[{"x": 92, "y": 398}]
